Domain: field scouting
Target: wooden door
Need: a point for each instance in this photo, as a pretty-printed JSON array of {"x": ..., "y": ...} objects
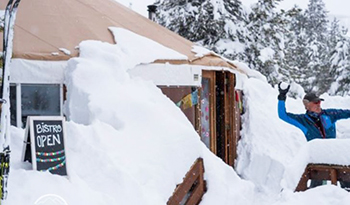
[
  {"x": 229, "y": 119},
  {"x": 218, "y": 114}
]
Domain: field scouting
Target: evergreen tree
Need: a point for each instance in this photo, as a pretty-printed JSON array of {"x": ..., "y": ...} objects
[
  {"x": 297, "y": 50},
  {"x": 295, "y": 56},
  {"x": 206, "y": 22},
  {"x": 340, "y": 59},
  {"x": 283, "y": 45},
  {"x": 317, "y": 54},
  {"x": 318, "y": 68},
  {"x": 265, "y": 45},
  {"x": 335, "y": 34}
]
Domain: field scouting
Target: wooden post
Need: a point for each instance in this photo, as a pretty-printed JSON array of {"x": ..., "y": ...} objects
[
  {"x": 333, "y": 174},
  {"x": 302, "y": 186}
]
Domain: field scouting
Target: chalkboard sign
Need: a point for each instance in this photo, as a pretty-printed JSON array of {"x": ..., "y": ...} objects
[{"x": 44, "y": 144}]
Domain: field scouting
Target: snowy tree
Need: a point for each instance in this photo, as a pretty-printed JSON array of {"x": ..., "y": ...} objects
[
  {"x": 340, "y": 59},
  {"x": 265, "y": 46},
  {"x": 318, "y": 69},
  {"x": 317, "y": 53},
  {"x": 217, "y": 25},
  {"x": 295, "y": 47}
]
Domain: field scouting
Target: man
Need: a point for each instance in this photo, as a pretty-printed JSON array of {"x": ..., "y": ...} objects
[{"x": 316, "y": 123}]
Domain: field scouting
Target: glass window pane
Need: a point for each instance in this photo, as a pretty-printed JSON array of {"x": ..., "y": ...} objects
[
  {"x": 205, "y": 112},
  {"x": 40, "y": 100}
]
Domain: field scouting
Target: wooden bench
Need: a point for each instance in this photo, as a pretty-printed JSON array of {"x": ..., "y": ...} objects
[
  {"x": 193, "y": 187},
  {"x": 333, "y": 173}
]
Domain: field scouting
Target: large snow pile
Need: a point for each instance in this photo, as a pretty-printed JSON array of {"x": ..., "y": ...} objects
[
  {"x": 267, "y": 142},
  {"x": 126, "y": 142},
  {"x": 129, "y": 144}
]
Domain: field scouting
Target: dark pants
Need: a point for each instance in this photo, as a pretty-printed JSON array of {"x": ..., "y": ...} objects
[{"x": 315, "y": 183}]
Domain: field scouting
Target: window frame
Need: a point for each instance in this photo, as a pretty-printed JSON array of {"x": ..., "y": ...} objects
[{"x": 18, "y": 86}]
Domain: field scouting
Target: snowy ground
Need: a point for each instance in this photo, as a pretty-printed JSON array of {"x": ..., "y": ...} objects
[{"x": 129, "y": 144}]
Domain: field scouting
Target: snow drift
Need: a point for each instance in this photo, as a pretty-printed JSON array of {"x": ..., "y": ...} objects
[
  {"x": 129, "y": 144},
  {"x": 126, "y": 142}
]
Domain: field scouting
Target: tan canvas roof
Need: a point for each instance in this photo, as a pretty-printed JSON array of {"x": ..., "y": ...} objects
[{"x": 44, "y": 26}]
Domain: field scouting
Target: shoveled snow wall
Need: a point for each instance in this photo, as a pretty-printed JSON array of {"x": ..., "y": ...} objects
[
  {"x": 269, "y": 145},
  {"x": 144, "y": 134}
]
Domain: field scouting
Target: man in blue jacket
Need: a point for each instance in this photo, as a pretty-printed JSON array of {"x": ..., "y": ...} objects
[{"x": 316, "y": 123}]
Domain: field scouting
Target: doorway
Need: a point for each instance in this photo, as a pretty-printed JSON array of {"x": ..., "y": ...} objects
[{"x": 218, "y": 114}]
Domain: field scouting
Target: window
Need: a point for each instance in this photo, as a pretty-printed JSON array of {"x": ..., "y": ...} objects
[{"x": 34, "y": 100}]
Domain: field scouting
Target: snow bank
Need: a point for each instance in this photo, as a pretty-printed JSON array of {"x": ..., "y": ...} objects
[
  {"x": 129, "y": 144},
  {"x": 126, "y": 142},
  {"x": 267, "y": 143},
  {"x": 322, "y": 195},
  {"x": 137, "y": 117}
]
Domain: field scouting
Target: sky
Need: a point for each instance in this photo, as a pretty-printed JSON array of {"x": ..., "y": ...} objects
[{"x": 127, "y": 143}]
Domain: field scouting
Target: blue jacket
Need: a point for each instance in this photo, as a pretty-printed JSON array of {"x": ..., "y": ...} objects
[{"x": 307, "y": 124}]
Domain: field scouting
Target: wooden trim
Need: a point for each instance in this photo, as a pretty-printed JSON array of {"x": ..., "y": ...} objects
[
  {"x": 334, "y": 173},
  {"x": 231, "y": 131},
  {"x": 227, "y": 117},
  {"x": 193, "y": 186},
  {"x": 197, "y": 114},
  {"x": 237, "y": 116}
]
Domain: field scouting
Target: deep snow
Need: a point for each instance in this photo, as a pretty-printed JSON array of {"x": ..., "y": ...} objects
[{"x": 127, "y": 143}]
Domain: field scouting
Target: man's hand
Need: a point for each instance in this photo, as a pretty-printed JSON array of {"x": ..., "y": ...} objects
[{"x": 283, "y": 92}]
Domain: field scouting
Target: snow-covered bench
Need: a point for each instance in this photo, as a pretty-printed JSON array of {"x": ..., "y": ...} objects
[
  {"x": 322, "y": 159},
  {"x": 333, "y": 173}
]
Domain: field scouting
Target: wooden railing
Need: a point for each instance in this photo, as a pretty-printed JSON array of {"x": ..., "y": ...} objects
[
  {"x": 334, "y": 173},
  {"x": 193, "y": 187}
]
